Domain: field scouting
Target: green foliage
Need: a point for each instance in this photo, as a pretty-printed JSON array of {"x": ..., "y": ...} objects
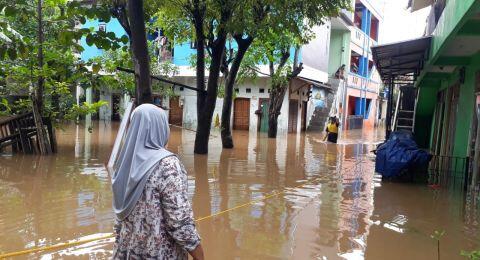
[
  {"x": 84, "y": 109},
  {"x": 5, "y": 108},
  {"x": 62, "y": 70},
  {"x": 473, "y": 255}
]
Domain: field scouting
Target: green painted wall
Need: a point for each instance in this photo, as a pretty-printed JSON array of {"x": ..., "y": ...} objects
[
  {"x": 465, "y": 110},
  {"x": 427, "y": 100},
  {"x": 339, "y": 50},
  {"x": 427, "y": 103},
  {"x": 454, "y": 16}
]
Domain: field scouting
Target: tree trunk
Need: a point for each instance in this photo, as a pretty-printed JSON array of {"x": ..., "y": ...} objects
[
  {"x": 277, "y": 94},
  {"x": 206, "y": 102},
  {"x": 198, "y": 17},
  {"x": 206, "y": 112},
  {"x": 40, "y": 38},
  {"x": 37, "y": 98},
  {"x": 140, "y": 52},
  {"x": 43, "y": 143},
  {"x": 226, "y": 133}
]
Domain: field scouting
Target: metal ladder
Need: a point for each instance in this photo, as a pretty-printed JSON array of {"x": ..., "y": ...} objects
[{"x": 405, "y": 110}]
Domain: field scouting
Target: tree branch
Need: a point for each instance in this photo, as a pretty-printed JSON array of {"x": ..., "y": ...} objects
[
  {"x": 284, "y": 58},
  {"x": 119, "y": 11},
  {"x": 258, "y": 71},
  {"x": 295, "y": 71}
]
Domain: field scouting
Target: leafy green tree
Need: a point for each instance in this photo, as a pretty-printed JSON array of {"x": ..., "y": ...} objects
[
  {"x": 207, "y": 23},
  {"x": 210, "y": 23},
  {"x": 289, "y": 25},
  {"x": 46, "y": 68}
]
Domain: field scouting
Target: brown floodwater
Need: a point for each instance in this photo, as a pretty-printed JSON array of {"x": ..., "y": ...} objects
[{"x": 331, "y": 204}]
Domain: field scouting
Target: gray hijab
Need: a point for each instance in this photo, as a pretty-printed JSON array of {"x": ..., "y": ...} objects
[{"x": 144, "y": 146}]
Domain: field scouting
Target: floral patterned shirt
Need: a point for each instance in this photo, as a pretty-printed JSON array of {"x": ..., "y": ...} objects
[{"x": 161, "y": 226}]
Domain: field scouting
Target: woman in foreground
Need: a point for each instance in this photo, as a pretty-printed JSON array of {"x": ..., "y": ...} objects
[{"x": 154, "y": 216}]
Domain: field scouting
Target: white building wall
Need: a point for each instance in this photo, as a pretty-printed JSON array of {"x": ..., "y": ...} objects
[
  {"x": 105, "y": 112},
  {"x": 283, "y": 117},
  {"x": 315, "y": 54},
  {"x": 254, "y": 96}
]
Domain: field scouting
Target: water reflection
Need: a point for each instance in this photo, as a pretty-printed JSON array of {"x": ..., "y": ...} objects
[{"x": 332, "y": 205}]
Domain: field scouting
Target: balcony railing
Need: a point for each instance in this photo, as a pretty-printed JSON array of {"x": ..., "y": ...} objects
[
  {"x": 360, "y": 38},
  {"x": 357, "y": 81}
]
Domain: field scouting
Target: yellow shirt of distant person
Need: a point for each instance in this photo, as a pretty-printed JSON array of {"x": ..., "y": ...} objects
[{"x": 332, "y": 128}]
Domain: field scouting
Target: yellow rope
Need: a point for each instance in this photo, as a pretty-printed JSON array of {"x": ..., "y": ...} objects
[
  {"x": 74, "y": 243},
  {"x": 57, "y": 246}
]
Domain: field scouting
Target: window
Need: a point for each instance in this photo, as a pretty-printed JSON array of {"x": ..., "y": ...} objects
[
  {"x": 249, "y": 90},
  {"x": 374, "y": 28},
  {"x": 358, "y": 15},
  {"x": 237, "y": 90},
  {"x": 102, "y": 27},
  {"x": 268, "y": 91},
  {"x": 181, "y": 88},
  {"x": 354, "y": 62},
  {"x": 262, "y": 90}
]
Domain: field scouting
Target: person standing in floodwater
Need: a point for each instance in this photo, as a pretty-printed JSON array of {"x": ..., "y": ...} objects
[
  {"x": 332, "y": 129},
  {"x": 154, "y": 216}
]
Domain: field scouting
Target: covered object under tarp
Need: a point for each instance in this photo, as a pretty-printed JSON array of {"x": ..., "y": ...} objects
[{"x": 400, "y": 155}]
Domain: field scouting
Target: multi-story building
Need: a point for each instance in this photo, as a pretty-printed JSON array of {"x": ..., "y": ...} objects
[
  {"x": 351, "y": 65},
  {"x": 312, "y": 96},
  {"x": 444, "y": 68}
]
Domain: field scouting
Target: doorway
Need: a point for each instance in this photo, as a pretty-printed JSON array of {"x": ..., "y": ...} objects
[
  {"x": 292, "y": 116},
  {"x": 263, "y": 117},
  {"x": 115, "y": 107},
  {"x": 175, "y": 114},
  {"x": 304, "y": 116},
  {"x": 241, "y": 114}
]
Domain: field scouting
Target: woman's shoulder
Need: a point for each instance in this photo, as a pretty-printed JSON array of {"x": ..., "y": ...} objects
[{"x": 169, "y": 164}]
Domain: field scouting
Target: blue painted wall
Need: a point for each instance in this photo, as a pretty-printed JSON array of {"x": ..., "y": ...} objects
[
  {"x": 92, "y": 51},
  {"x": 182, "y": 52}
]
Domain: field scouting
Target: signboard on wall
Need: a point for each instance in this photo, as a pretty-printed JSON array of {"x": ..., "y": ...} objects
[{"x": 319, "y": 97}]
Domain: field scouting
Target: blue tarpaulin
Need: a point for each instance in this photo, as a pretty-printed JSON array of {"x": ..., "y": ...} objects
[{"x": 399, "y": 153}]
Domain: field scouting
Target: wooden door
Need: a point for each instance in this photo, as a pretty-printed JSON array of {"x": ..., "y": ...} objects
[
  {"x": 241, "y": 114},
  {"x": 175, "y": 114},
  {"x": 292, "y": 116}
]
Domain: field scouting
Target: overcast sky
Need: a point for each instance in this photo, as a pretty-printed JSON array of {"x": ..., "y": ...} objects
[{"x": 400, "y": 24}]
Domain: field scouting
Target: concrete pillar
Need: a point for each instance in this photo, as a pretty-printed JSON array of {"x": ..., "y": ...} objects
[{"x": 88, "y": 99}]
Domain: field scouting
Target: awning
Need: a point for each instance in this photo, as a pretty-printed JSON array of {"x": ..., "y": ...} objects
[
  {"x": 400, "y": 59},
  {"x": 306, "y": 82},
  {"x": 314, "y": 82}
]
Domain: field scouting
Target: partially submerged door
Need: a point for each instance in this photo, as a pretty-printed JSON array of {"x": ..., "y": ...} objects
[
  {"x": 241, "y": 114},
  {"x": 175, "y": 114},
  {"x": 292, "y": 116},
  {"x": 264, "y": 116},
  {"x": 304, "y": 116}
]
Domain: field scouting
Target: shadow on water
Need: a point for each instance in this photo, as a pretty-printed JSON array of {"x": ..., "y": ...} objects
[{"x": 332, "y": 204}]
